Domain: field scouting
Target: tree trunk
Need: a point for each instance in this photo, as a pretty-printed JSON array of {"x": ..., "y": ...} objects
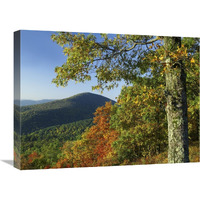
[{"x": 178, "y": 150}]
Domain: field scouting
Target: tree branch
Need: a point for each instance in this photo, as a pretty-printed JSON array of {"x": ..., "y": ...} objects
[
  {"x": 142, "y": 43},
  {"x": 105, "y": 47}
]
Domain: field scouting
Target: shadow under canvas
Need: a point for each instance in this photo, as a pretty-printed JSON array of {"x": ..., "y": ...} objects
[{"x": 10, "y": 162}]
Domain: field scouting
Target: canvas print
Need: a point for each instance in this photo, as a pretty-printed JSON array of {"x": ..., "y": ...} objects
[{"x": 95, "y": 99}]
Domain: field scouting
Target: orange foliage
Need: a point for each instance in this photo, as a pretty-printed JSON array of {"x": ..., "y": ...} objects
[
  {"x": 32, "y": 157},
  {"x": 102, "y": 135},
  {"x": 95, "y": 147}
]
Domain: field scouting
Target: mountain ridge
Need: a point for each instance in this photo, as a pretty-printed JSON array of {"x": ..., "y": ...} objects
[
  {"x": 77, "y": 107},
  {"x": 28, "y": 102}
]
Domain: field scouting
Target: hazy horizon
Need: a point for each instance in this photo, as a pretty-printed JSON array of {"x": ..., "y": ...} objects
[{"x": 61, "y": 98}]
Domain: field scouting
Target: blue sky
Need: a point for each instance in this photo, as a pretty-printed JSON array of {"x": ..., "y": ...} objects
[{"x": 39, "y": 57}]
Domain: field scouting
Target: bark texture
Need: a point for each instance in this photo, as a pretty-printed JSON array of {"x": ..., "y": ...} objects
[{"x": 178, "y": 147}]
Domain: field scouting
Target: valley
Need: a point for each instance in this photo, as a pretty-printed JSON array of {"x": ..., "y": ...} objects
[{"x": 45, "y": 127}]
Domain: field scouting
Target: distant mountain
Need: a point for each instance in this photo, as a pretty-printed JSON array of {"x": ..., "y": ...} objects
[
  {"x": 58, "y": 112},
  {"x": 32, "y": 102}
]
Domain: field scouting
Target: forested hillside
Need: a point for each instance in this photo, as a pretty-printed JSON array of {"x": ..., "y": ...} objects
[
  {"x": 45, "y": 128},
  {"x": 75, "y": 108},
  {"x": 46, "y": 143}
]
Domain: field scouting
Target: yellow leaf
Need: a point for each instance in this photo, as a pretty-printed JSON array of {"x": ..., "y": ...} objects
[
  {"x": 161, "y": 58},
  {"x": 192, "y": 60}
]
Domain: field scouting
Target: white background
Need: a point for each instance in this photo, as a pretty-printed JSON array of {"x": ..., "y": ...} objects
[{"x": 153, "y": 17}]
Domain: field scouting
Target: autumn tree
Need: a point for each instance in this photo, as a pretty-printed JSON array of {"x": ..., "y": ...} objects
[
  {"x": 123, "y": 57},
  {"x": 140, "y": 119},
  {"x": 95, "y": 146},
  {"x": 30, "y": 161}
]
